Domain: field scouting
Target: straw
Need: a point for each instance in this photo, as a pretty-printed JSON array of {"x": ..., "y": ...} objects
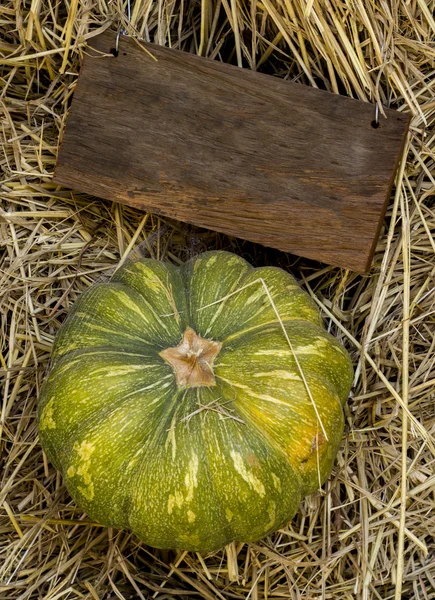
[{"x": 369, "y": 533}]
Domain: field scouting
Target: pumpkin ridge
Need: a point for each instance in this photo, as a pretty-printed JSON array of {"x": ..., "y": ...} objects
[
  {"x": 65, "y": 433},
  {"x": 222, "y": 304},
  {"x": 166, "y": 287},
  {"x": 313, "y": 378},
  {"x": 238, "y": 406},
  {"x": 77, "y": 353},
  {"x": 263, "y": 433},
  {"x": 276, "y": 322},
  {"x": 105, "y": 411},
  {"x": 255, "y": 395},
  {"x": 274, "y": 451},
  {"x": 195, "y": 289},
  {"x": 132, "y": 274},
  {"x": 156, "y": 437},
  {"x": 203, "y": 542},
  {"x": 224, "y": 523},
  {"x": 139, "y": 453},
  {"x": 341, "y": 391},
  {"x": 252, "y": 393},
  {"x": 221, "y": 311},
  {"x": 85, "y": 318},
  {"x": 273, "y": 444}
]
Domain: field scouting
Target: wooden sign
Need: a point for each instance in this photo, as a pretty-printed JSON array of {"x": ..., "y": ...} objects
[{"x": 247, "y": 154}]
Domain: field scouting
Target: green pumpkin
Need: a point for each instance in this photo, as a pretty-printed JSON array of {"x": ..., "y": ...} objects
[{"x": 179, "y": 407}]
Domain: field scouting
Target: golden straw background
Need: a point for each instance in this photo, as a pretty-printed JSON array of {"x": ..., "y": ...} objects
[{"x": 370, "y": 532}]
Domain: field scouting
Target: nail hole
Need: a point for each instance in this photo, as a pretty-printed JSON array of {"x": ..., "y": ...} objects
[
  {"x": 114, "y": 51},
  {"x": 374, "y": 124},
  {"x": 124, "y": 53}
]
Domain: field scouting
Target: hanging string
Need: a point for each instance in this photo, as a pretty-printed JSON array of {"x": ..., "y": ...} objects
[
  {"x": 123, "y": 30},
  {"x": 375, "y": 123}
]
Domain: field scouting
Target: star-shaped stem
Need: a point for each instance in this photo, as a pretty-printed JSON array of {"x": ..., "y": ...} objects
[{"x": 192, "y": 360}]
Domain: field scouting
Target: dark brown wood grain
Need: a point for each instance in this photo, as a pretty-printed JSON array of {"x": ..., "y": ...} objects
[{"x": 248, "y": 154}]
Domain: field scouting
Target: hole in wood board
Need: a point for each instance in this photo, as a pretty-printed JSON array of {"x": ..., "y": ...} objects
[
  {"x": 114, "y": 51},
  {"x": 375, "y": 124}
]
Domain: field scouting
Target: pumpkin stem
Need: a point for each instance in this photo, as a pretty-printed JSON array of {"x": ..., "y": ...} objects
[{"x": 192, "y": 360}]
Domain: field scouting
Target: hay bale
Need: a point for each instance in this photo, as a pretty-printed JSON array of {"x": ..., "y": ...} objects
[{"x": 369, "y": 533}]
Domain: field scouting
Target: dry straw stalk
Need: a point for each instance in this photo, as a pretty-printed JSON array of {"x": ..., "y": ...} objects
[{"x": 369, "y": 533}]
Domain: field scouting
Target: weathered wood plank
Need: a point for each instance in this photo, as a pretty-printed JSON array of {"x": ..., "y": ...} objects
[{"x": 278, "y": 163}]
